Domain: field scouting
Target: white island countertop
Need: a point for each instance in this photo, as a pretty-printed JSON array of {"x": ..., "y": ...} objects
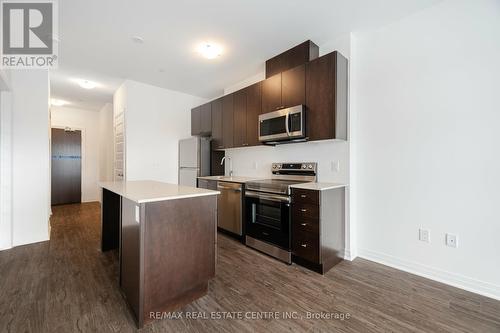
[
  {"x": 318, "y": 186},
  {"x": 142, "y": 191}
]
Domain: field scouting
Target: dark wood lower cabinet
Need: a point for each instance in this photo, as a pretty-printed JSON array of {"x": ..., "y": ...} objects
[
  {"x": 167, "y": 250},
  {"x": 318, "y": 219}
]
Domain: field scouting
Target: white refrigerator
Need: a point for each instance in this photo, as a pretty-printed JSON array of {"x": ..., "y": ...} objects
[{"x": 194, "y": 160}]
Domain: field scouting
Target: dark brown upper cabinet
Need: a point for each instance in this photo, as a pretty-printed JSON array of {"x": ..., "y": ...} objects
[
  {"x": 321, "y": 84},
  {"x": 247, "y": 107},
  {"x": 240, "y": 118},
  {"x": 271, "y": 93},
  {"x": 196, "y": 120},
  {"x": 206, "y": 119},
  {"x": 291, "y": 58},
  {"x": 326, "y": 97},
  {"x": 293, "y": 86},
  {"x": 217, "y": 141},
  {"x": 284, "y": 90},
  {"x": 254, "y": 109},
  {"x": 227, "y": 120},
  {"x": 201, "y": 120}
]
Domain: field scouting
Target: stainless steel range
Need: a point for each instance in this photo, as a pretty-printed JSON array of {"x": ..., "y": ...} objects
[{"x": 267, "y": 208}]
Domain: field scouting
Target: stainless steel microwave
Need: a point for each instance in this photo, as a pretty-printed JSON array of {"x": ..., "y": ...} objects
[{"x": 284, "y": 124}]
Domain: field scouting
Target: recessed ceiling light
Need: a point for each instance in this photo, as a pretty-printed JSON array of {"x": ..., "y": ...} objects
[
  {"x": 86, "y": 84},
  {"x": 137, "y": 39},
  {"x": 209, "y": 50},
  {"x": 57, "y": 102}
]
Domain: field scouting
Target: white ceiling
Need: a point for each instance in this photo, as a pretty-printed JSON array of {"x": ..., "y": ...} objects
[{"x": 95, "y": 39}]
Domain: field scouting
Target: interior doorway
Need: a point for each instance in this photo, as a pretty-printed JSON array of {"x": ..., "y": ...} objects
[{"x": 66, "y": 167}]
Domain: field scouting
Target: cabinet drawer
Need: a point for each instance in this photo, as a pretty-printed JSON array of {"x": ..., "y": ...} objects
[
  {"x": 304, "y": 211},
  {"x": 305, "y": 225},
  {"x": 306, "y": 245},
  {"x": 305, "y": 196}
]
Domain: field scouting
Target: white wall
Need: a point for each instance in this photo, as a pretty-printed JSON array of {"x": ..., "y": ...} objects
[
  {"x": 5, "y": 170},
  {"x": 88, "y": 122},
  {"x": 427, "y": 138},
  {"x": 106, "y": 143},
  {"x": 30, "y": 156},
  {"x": 155, "y": 120},
  {"x": 256, "y": 161}
]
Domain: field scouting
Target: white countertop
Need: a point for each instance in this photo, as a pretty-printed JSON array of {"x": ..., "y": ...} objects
[
  {"x": 318, "y": 186},
  {"x": 142, "y": 191},
  {"x": 233, "y": 179}
]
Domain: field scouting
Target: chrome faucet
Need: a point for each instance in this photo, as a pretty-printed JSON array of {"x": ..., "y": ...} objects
[{"x": 230, "y": 164}]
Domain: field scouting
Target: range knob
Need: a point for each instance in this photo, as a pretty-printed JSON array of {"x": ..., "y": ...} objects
[
  {"x": 310, "y": 166},
  {"x": 279, "y": 166},
  {"x": 304, "y": 166},
  {"x": 274, "y": 166}
]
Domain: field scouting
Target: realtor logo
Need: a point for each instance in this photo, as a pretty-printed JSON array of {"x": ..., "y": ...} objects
[{"x": 29, "y": 33}]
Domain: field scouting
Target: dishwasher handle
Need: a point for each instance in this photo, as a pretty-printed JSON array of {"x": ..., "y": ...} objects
[{"x": 235, "y": 189}]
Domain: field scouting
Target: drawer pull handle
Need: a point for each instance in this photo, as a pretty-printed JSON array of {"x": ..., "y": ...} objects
[
  {"x": 303, "y": 196},
  {"x": 303, "y": 210},
  {"x": 304, "y": 224},
  {"x": 304, "y": 245},
  {"x": 265, "y": 233}
]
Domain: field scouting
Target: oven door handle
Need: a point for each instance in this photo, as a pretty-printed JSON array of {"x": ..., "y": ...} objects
[
  {"x": 287, "y": 128},
  {"x": 268, "y": 196}
]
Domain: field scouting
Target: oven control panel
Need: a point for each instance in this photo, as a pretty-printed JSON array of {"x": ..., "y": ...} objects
[{"x": 298, "y": 167}]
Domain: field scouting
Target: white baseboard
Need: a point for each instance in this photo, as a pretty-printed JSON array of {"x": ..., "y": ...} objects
[
  {"x": 456, "y": 280},
  {"x": 5, "y": 248}
]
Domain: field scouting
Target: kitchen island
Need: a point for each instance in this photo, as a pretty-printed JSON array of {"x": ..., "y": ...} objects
[{"x": 166, "y": 237}]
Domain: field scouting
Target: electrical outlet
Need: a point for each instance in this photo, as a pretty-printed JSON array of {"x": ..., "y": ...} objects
[
  {"x": 335, "y": 166},
  {"x": 424, "y": 235},
  {"x": 451, "y": 240}
]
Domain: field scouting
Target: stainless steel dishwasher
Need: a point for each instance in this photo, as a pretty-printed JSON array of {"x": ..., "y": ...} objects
[{"x": 229, "y": 202}]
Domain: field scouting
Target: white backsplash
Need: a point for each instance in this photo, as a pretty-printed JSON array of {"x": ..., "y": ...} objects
[{"x": 256, "y": 161}]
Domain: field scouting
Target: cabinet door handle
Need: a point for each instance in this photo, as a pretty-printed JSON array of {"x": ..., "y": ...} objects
[
  {"x": 303, "y": 210},
  {"x": 304, "y": 245},
  {"x": 303, "y": 196},
  {"x": 303, "y": 224},
  {"x": 265, "y": 233}
]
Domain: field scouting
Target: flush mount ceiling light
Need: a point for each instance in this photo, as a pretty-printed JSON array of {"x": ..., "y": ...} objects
[
  {"x": 57, "y": 102},
  {"x": 137, "y": 39},
  {"x": 85, "y": 84},
  {"x": 209, "y": 50}
]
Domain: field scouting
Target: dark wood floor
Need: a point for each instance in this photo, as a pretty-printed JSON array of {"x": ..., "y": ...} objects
[{"x": 68, "y": 285}]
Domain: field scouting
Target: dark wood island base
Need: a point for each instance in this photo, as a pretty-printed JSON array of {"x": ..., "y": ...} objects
[{"x": 167, "y": 251}]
